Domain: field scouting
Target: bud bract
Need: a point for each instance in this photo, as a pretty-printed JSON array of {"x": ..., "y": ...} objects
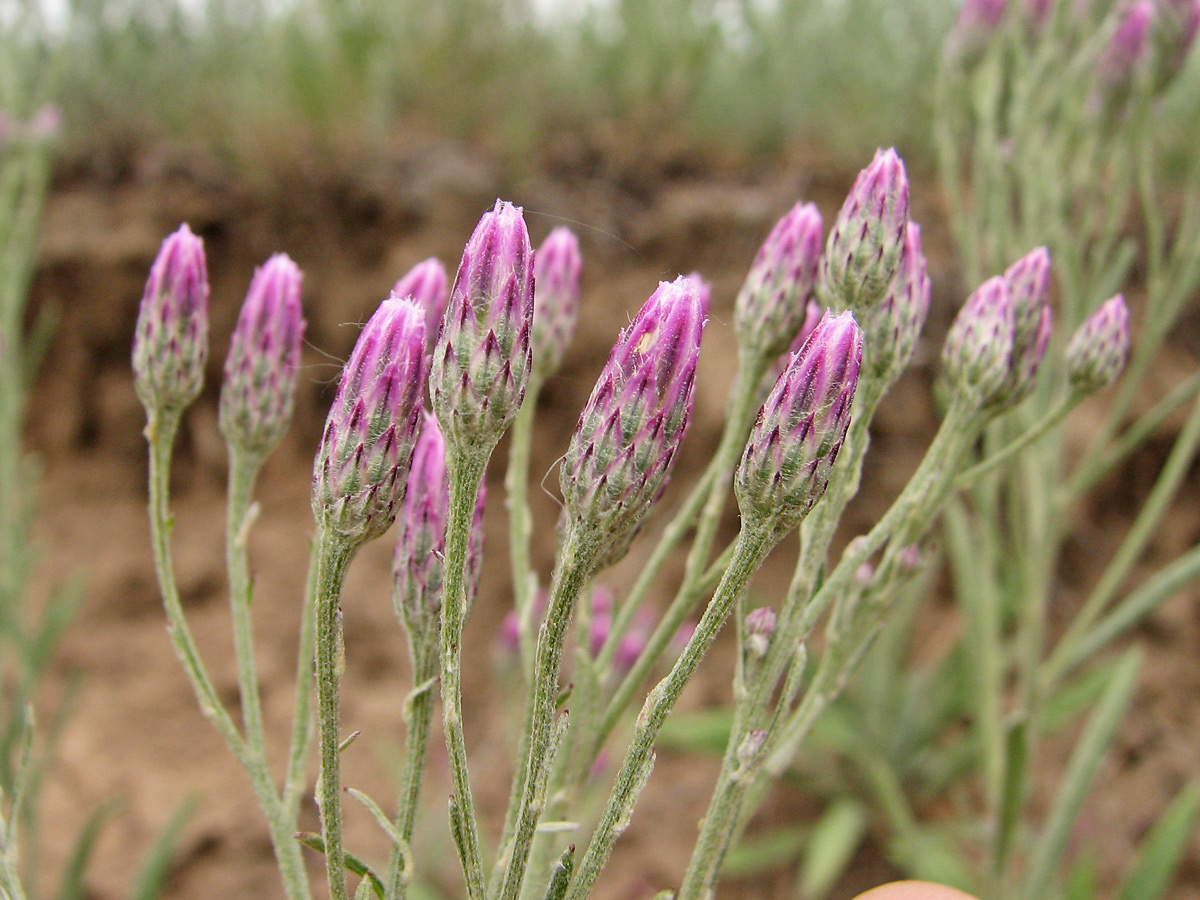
[
  {"x": 360, "y": 469},
  {"x": 891, "y": 329},
  {"x": 868, "y": 235},
  {"x": 772, "y": 303},
  {"x": 259, "y": 390},
  {"x": 1098, "y": 349},
  {"x": 556, "y": 272},
  {"x": 978, "y": 353},
  {"x": 629, "y": 432},
  {"x": 426, "y": 283},
  {"x": 170, "y": 345},
  {"x": 482, "y": 360},
  {"x": 785, "y": 467}
]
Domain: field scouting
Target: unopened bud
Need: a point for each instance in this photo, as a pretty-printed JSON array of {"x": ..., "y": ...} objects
[
  {"x": 426, "y": 283},
  {"x": 1129, "y": 46},
  {"x": 891, "y": 328},
  {"x": 760, "y": 625},
  {"x": 556, "y": 271},
  {"x": 977, "y": 23},
  {"x": 1098, "y": 349},
  {"x": 977, "y": 356}
]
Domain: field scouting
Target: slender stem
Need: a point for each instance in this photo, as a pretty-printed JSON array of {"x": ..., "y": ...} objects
[
  {"x": 466, "y": 472},
  {"x": 520, "y": 522},
  {"x": 302, "y": 728},
  {"x": 1034, "y": 433},
  {"x": 754, "y": 542},
  {"x": 334, "y": 555}
]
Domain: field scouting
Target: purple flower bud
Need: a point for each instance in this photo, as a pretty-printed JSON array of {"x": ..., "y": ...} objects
[
  {"x": 705, "y": 289},
  {"x": 760, "y": 625},
  {"x": 170, "y": 344},
  {"x": 978, "y": 354},
  {"x": 977, "y": 22},
  {"x": 1098, "y": 349},
  {"x": 891, "y": 329},
  {"x": 556, "y": 271},
  {"x": 773, "y": 300},
  {"x": 482, "y": 360},
  {"x": 786, "y": 464},
  {"x": 812, "y": 315},
  {"x": 1128, "y": 47},
  {"x": 629, "y": 432},
  {"x": 1028, "y": 279},
  {"x": 421, "y": 542},
  {"x": 259, "y": 390},
  {"x": 631, "y": 646},
  {"x": 360, "y": 468},
  {"x": 868, "y": 236},
  {"x": 426, "y": 283}
]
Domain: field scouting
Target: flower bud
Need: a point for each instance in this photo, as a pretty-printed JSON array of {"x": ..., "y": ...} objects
[
  {"x": 865, "y": 244},
  {"x": 1098, "y": 349},
  {"x": 773, "y": 300},
  {"x": 812, "y": 315},
  {"x": 1028, "y": 279},
  {"x": 1128, "y": 47},
  {"x": 891, "y": 329},
  {"x": 170, "y": 344},
  {"x": 426, "y": 283},
  {"x": 786, "y": 464},
  {"x": 421, "y": 542},
  {"x": 977, "y": 22},
  {"x": 978, "y": 353},
  {"x": 259, "y": 390},
  {"x": 629, "y": 432},
  {"x": 556, "y": 271},
  {"x": 482, "y": 360},
  {"x": 760, "y": 625},
  {"x": 360, "y": 468}
]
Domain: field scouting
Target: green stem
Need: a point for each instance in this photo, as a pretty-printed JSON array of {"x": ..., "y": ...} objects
[
  {"x": 334, "y": 555},
  {"x": 1034, "y": 433},
  {"x": 520, "y": 522},
  {"x": 466, "y": 473},
  {"x": 753, "y": 544}
]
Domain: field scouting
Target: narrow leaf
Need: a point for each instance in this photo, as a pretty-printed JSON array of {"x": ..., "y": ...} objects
[
  {"x": 834, "y": 839},
  {"x": 1161, "y": 851}
]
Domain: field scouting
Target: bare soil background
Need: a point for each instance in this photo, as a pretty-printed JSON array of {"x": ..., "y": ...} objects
[{"x": 644, "y": 212}]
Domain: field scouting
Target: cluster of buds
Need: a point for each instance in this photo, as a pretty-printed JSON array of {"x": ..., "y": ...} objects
[
  {"x": 170, "y": 345},
  {"x": 259, "y": 390},
  {"x": 1098, "y": 349},
  {"x": 629, "y": 432},
  {"x": 785, "y": 467},
  {"x": 773, "y": 301},
  {"x": 892, "y": 326},
  {"x": 556, "y": 271},
  {"x": 369, "y": 434},
  {"x": 426, "y": 285},
  {"x": 420, "y": 544},
  {"x": 482, "y": 360},
  {"x": 867, "y": 239}
]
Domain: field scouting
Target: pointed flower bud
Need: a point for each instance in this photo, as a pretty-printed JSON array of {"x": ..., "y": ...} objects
[
  {"x": 760, "y": 625},
  {"x": 360, "y": 468},
  {"x": 865, "y": 244},
  {"x": 978, "y": 353},
  {"x": 977, "y": 22},
  {"x": 420, "y": 545},
  {"x": 785, "y": 467},
  {"x": 629, "y": 432},
  {"x": 891, "y": 329},
  {"x": 170, "y": 345},
  {"x": 482, "y": 360},
  {"x": 813, "y": 312},
  {"x": 1098, "y": 349},
  {"x": 1028, "y": 279},
  {"x": 556, "y": 271},
  {"x": 426, "y": 283},
  {"x": 772, "y": 303},
  {"x": 259, "y": 390},
  {"x": 1129, "y": 46}
]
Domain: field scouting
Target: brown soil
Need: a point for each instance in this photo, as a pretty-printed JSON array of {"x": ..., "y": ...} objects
[{"x": 642, "y": 216}]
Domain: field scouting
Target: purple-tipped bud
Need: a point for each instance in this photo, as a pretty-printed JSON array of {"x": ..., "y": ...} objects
[
  {"x": 773, "y": 300},
  {"x": 978, "y": 353},
  {"x": 977, "y": 22},
  {"x": 705, "y": 288},
  {"x": 1028, "y": 279},
  {"x": 427, "y": 284},
  {"x": 864, "y": 246},
  {"x": 363, "y": 460},
  {"x": 812, "y": 315},
  {"x": 259, "y": 390},
  {"x": 760, "y": 625},
  {"x": 482, "y": 360},
  {"x": 1129, "y": 46},
  {"x": 891, "y": 329},
  {"x": 421, "y": 542},
  {"x": 1098, "y": 349},
  {"x": 786, "y": 464},
  {"x": 556, "y": 299},
  {"x": 170, "y": 344},
  {"x": 629, "y": 433}
]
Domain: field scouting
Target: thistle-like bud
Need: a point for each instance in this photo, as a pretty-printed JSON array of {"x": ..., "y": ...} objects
[
  {"x": 359, "y": 474},
  {"x": 421, "y": 542},
  {"x": 1028, "y": 279},
  {"x": 865, "y": 244},
  {"x": 785, "y": 467},
  {"x": 482, "y": 360},
  {"x": 978, "y": 353},
  {"x": 629, "y": 432},
  {"x": 774, "y": 298},
  {"x": 1098, "y": 349},
  {"x": 170, "y": 344},
  {"x": 760, "y": 625},
  {"x": 556, "y": 299},
  {"x": 1128, "y": 47},
  {"x": 891, "y": 329},
  {"x": 812, "y": 315},
  {"x": 977, "y": 22},
  {"x": 259, "y": 390},
  {"x": 426, "y": 283}
]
